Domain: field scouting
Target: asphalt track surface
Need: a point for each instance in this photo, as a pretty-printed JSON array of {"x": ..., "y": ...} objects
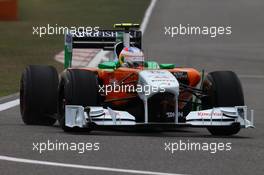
[{"x": 243, "y": 53}]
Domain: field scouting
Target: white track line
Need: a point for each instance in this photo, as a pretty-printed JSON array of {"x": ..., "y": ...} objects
[
  {"x": 9, "y": 104},
  {"x": 97, "y": 168},
  {"x": 147, "y": 15}
]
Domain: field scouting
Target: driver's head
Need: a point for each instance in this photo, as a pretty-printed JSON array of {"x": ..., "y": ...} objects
[{"x": 131, "y": 57}]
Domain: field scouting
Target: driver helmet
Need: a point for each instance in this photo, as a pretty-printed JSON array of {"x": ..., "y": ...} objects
[{"x": 131, "y": 57}]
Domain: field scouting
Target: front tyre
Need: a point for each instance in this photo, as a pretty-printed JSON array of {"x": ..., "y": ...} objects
[
  {"x": 77, "y": 87},
  {"x": 223, "y": 89},
  {"x": 38, "y": 95}
]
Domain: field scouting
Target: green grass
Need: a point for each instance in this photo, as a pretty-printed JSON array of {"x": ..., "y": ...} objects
[{"x": 19, "y": 48}]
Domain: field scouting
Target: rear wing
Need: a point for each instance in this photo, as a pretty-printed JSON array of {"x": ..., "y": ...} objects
[{"x": 101, "y": 39}]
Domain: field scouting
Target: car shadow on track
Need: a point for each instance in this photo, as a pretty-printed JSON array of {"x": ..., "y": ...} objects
[{"x": 182, "y": 133}]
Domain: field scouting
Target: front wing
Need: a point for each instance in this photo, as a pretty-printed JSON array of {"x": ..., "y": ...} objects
[{"x": 78, "y": 116}]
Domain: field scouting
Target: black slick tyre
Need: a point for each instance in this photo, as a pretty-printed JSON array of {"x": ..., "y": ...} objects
[
  {"x": 39, "y": 95},
  {"x": 223, "y": 89},
  {"x": 77, "y": 87}
]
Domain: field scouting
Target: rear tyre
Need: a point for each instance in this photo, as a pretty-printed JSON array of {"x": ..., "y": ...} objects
[
  {"x": 77, "y": 87},
  {"x": 38, "y": 95},
  {"x": 224, "y": 90}
]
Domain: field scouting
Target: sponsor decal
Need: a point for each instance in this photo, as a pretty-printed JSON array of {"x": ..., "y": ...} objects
[
  {"x": 170, "y": 114},
  {"x": 100, "y": 33},
  {"x": 204, "y": 114}
]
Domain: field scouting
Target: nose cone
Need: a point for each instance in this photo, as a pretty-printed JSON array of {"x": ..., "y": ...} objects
[{"x": 155, "y": 81}]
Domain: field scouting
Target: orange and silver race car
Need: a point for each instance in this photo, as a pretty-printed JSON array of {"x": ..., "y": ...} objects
[{"x": 140, "y": 93}]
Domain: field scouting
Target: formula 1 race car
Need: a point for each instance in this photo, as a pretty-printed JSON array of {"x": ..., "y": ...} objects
[{"x": 148, "y": 95}]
